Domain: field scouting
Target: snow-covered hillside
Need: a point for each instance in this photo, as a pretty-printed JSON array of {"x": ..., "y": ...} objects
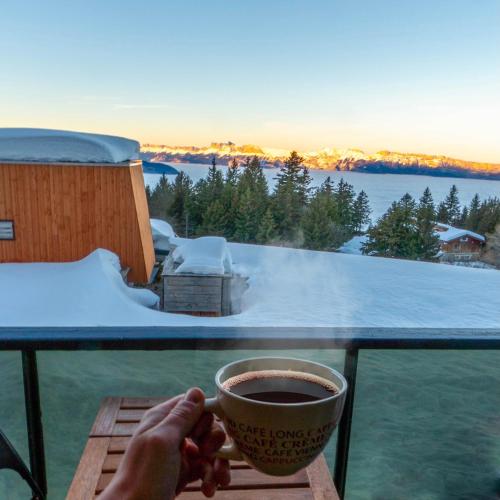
[{"x": 287, "y": 288}]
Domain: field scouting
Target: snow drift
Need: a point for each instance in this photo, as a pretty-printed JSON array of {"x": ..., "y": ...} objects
[{"x": 88, "y": 291}]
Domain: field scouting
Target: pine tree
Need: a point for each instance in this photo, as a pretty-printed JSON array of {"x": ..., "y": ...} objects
[
  {"x": 304, "y": 181},
  {"x": 473, "y": 217},
  {"x": 290, "y": 196},
  {"x": 215, "y": 182},
  {"x": 317, "y": 223},
  {"x": 327, "y": 186},
  {"x": 360, "y": 212},
  {"x": 450, "y": 208},
  {"x": 253, "y": 180},
  {"x": 463, "y": 217},
  {"x": 395, "y": 234},
  {"x": 160, "y": 197},
  {"x": 267, "y": 229},
  {"x": 344, "y": 198},
  {"x": 489, "y": 215},
  {"x": 214, "y": 220},
  {"x": 230, "y": 198},
  {"x": 246, "y": 223},
  {"x": 442, "y": 213},
  {"x": 232, "y": 174},
  {"x": 428, "y": 241},
  {"x": 179, "y": 210},
  {"x": 206, "y": 191}
]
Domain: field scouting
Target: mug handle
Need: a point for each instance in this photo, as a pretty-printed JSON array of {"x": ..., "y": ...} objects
[{"x": 228, "y": 451}]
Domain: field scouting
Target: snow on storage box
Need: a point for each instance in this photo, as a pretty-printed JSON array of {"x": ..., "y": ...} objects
[
  {"x": 45, "y": 145},
  {"x": 206, "y": 255}
]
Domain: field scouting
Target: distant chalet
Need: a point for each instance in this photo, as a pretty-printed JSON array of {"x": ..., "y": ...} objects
[
  {"x": 458, "y": 244},
  {"x": 65, "y": 194}
]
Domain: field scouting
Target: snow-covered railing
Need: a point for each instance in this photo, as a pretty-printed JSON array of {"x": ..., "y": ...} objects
[{"x": 352, "y": 340}]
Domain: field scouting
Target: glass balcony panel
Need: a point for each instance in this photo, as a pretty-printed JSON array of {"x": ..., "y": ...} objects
[
  {"x": 72, "y": 385},
  {"x": 13, "y": 422},
  {"x": 426, "y": 425}
]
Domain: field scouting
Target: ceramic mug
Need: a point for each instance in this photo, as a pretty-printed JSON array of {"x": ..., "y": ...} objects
[{"x": 276, "y": 438}]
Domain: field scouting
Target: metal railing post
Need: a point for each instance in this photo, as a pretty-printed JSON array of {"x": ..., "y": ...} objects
[
  {"x": 344, "y": 433},
  {"x": 34, "y": 419}
]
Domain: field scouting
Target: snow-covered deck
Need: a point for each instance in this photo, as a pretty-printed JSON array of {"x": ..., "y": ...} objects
[{"x": 287, "y": 288}]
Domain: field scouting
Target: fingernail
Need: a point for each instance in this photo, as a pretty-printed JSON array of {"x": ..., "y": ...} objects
[{"x": 194, "y": 395}]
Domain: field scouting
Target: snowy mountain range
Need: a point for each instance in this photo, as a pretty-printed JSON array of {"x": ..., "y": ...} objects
[{"x": 327, "y": 159}]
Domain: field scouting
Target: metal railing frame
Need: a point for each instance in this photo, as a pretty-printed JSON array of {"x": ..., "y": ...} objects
[{"x": 352, "y": 340}]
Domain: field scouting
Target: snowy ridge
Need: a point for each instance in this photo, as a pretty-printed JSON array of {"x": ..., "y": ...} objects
[
  {"x": 327, "y": 159},
  {"x": 45, "y": 145}
]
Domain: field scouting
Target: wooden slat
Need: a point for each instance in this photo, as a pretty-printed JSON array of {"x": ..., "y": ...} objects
[
  {"x": 103, "y": 481},
  {"x": 124, "y": 428},
  {"x": 130, "y": 403},
  {"x": 321, "y": 481},
  {"x": 133, "y": 415},
  {"x": 105, "y": 420},
  {"x": 113, "y": 460},
  {"x": 89, "y": 469},
  {"x": 118, "y": 444},
  {"x": 270, "y": 494},
  {"x": 243, "y": 479},
  {"x": 247, "y": 479}
]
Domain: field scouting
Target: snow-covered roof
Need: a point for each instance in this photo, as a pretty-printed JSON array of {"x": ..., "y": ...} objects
[
  {"x": 288, "y": 287},
  {"x": 205, "y": 255},
  {"x": 450, "y": 233},
  {"x": 45, "y": 145}
]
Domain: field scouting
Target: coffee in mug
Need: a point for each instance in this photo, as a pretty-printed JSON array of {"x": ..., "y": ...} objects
[
  {"x": 278, "y": 412},
  {"x": 281, "y": 386}
]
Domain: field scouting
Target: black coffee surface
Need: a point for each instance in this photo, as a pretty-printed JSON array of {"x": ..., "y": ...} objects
[
  {"x": 283, "y": 397},
  {"x": 280, "y": 386}
]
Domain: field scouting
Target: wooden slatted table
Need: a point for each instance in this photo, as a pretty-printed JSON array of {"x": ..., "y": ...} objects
[{"x": 113, "y": 427}]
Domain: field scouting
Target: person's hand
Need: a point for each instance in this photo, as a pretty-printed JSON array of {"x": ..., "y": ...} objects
[{"x": 172, "y": 446}]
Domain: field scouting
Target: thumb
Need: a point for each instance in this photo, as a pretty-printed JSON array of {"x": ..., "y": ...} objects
[{"x": 184, "y": 416}]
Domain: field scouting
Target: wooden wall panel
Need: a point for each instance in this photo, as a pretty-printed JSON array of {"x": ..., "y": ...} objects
[
  {"x": 63, "y": 212},
  {"x": 144, "y": 228}
]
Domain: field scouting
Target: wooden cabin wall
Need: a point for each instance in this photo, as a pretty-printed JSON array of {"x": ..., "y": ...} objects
[
  {"x": 142, "y": 214},
  {"x": 457, "y": 246},
  {"x": 64, "y": 212}
]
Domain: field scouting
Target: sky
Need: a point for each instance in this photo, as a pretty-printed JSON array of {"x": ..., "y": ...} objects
[{"x": 413, "y": 76}]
